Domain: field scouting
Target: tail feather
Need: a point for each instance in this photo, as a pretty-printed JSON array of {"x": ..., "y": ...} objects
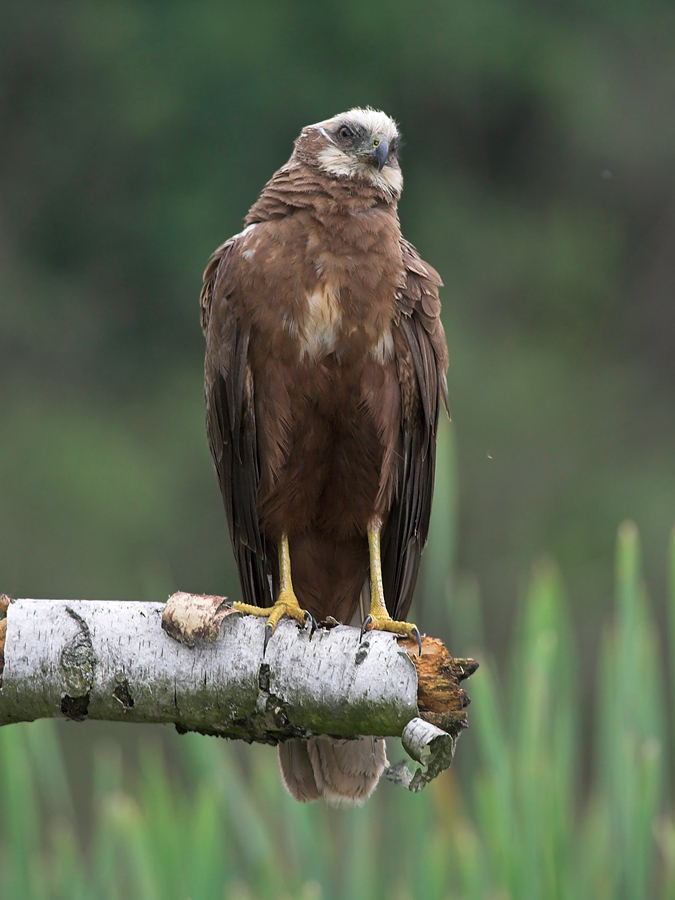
[
  {"x": 342, "y": 772},
  {"x": 297, "y": 772}
]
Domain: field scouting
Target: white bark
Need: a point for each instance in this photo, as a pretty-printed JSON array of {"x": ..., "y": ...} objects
[{"x": 114, "y": 661}]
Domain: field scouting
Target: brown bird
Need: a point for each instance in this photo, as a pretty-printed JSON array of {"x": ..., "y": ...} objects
[{"x": 325, "y": 368}]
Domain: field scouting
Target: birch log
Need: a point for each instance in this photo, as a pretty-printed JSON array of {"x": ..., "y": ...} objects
[{"x": 199, "y": 665}]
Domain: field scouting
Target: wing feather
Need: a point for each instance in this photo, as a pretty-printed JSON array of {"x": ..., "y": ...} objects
[
  {"x": 421, "y": 358},
  {"x": 231, "y": 423}
]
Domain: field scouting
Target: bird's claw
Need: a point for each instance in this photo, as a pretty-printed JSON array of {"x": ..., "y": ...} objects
[
  {"x": 269, "y": 631},
  {"x": 286, "y": 605},
  {"x": 312, "y": 623},
  {"x": 382, "y": 623}
]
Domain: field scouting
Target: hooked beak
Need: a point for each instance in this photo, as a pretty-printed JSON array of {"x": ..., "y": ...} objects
[{"x": 378, "y": 155}]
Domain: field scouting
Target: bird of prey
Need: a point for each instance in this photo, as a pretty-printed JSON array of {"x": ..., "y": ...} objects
[{"x": 325, "y": 368}]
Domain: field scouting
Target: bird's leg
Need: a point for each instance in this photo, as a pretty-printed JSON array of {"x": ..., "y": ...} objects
[
  {"x": 286, "y": 603},
  {"x": 378, "y": 618}
]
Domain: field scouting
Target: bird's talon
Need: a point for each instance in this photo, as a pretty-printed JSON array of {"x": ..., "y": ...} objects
[
  {"x": 312, "y": 623},
  {"x": 269, "y": 631},
  {"x": 366, "y": 623},
  {"x": 376, "y": 622}
]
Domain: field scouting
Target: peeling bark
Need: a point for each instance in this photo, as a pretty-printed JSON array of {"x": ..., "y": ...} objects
[{"x": 198, "y": 664}]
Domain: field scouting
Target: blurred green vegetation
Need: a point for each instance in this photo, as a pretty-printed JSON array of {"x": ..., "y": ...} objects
[{"x": 525, "y": 821}]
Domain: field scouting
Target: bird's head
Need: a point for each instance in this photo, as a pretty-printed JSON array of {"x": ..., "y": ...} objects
[{"x": 361, "y": 144}]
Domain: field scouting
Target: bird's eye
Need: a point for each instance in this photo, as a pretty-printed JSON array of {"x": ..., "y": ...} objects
[{"x": 345, "y": 132}]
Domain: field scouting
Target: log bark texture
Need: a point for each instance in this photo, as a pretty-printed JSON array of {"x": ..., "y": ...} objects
[{"x": 199, "y": 665}]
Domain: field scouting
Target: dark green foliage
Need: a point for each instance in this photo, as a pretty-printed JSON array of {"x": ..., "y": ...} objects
[{"x": 538, "y": 166}]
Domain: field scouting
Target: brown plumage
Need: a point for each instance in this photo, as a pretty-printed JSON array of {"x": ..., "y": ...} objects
[{"x": 325, "y": 367}]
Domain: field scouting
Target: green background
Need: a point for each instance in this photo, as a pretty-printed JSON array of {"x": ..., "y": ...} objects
[
  {"x": 539, "y": 181},
  {"x": 539, "y": 140}
]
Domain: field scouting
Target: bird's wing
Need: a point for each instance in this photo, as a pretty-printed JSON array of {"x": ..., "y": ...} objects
[
  {"x": 231, "y": 421},
  {"x": 421, "y": 360}
]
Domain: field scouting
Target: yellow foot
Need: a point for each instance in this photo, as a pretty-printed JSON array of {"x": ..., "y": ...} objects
[
  {"x": 286, "y": 605},
  {"x": 385, "y": 623}
]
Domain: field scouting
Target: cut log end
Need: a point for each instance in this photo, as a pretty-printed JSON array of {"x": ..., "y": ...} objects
[
  {"x": 3, "y": 634},
  {"x": 4, "y": 606},
  {"x": 440, "y": 699}
]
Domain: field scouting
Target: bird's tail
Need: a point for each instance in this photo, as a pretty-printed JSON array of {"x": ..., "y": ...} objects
[{"x": 342, "y": 772}]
